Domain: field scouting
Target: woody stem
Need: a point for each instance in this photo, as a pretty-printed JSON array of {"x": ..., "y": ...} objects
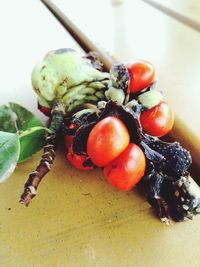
[{"x": 31, "y": 185}]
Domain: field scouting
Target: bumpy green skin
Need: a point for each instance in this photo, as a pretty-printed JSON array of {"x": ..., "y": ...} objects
[
  {"x": 115, "y": 94},
  {"x": 60, "y": 72},
  {"x": 85, "y": 92}
]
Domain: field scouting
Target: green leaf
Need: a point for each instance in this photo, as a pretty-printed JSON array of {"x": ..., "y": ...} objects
[
  {"x": 30, "y": 136},
  {"x": 31, "y": 141},
  {"x": 31, "y": 132},
  {"x": 7, "y": 120},
  {"x": 25, "y": 118},
  {"x": 9, "y": 153}
]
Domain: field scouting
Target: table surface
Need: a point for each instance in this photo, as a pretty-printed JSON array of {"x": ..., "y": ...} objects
[{"x": 77, "y": 219}]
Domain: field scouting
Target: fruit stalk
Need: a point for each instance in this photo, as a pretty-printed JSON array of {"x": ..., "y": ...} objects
[{"x": 31, "y": 185}]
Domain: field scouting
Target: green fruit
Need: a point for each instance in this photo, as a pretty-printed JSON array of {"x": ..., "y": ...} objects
[
  {"x": 61, "y": 70},
  {"x": 115, "y": 94},
  {"x": 150, "y": 99}
]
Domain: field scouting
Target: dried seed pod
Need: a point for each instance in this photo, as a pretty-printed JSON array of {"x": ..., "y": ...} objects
[{"x": 167, "y": 165}]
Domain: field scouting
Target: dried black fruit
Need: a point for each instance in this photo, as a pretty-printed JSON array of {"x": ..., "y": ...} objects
[
  {"x": 177, "y": 159},
  {"x": 167, "y": 164},
  {"x": 182, "y": 197}
]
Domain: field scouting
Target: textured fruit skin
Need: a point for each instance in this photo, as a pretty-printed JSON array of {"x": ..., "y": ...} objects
[
  {"x": 126, "y": 170},
  {"x": 77, "y": 160},
  {"x": 107, "y": 140},
  {"x": 142, "y": 74},
  {"x": 157, "y": 121}
]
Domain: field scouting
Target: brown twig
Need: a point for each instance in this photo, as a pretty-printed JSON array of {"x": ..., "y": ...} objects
[{"x": 31, "y": 185}]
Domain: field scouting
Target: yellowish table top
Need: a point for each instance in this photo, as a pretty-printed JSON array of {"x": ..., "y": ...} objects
[{"x": 77, "y": 219}]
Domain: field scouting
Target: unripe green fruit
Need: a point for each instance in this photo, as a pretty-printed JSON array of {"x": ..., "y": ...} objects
[
  {"x": 150, "y": 99},
  {"x": 61, "y": 70}
]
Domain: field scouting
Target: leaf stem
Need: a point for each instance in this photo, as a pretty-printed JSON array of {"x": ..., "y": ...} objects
[{"x": 31, "y": 185}]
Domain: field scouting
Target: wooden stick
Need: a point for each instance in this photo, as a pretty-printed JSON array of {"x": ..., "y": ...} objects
[
  {"x": 86, "y": 44},
  {"x": 174, "y": 14}
]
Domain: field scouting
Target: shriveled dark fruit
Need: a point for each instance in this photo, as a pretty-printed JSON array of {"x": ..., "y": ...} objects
[
  {"x": 167, "y": 164},
  {"x": 182, "y": 197},
  {"x": 161, "y": 181},
  {"x": 177, "y": 159}
]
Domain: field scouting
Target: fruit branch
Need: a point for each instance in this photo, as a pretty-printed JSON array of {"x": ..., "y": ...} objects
[{"x": 31, "y": 185}]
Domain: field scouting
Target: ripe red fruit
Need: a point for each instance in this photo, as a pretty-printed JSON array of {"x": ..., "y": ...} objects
[
  {"x": 77, "y": 160},
  {"x": 157, "y": 121},
  {"x": 107, "y": 140},
  {"x": 142, "y": 74},
  {"x": 45, "y": 110},
  {"x": 126, "y": 170}
]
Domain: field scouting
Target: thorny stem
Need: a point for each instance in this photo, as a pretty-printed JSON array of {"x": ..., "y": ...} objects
[{"x": 31, "y": 185}]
